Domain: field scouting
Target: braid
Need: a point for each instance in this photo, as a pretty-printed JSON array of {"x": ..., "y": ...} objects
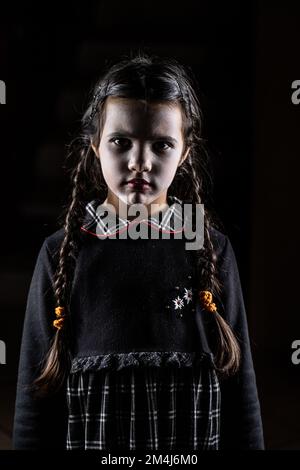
[
  {"x": 227, "y": 355},
  {"x": 58, "y": 360}
]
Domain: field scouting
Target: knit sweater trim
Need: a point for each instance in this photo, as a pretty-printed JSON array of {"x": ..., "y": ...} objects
[{"x": 117, "y": 361}]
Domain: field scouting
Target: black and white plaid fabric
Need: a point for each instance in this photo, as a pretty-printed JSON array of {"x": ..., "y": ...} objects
[
  {"x": 146, "y": 408},
  {"x": 100, "y": 222}
]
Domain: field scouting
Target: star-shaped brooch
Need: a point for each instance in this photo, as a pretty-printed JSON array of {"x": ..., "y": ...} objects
[
  {"x": 188, "y": 295},
  {"x": 178, "y": 303},
  {"x": 182, "y": 300}
]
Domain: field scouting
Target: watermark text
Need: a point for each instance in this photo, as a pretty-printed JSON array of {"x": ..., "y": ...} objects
[
  {"x": 180, "y": 221},
  {"x": 296, "y": 354},
  {"x": 2, "y": 352},
  {"x": 295, "y": 97},
  {"x": 2, "y": 92}
]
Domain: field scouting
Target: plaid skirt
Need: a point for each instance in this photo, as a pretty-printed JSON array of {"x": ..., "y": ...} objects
[{"x": 144, "y": 408}]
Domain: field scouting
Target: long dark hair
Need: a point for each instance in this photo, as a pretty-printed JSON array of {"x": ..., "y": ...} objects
[{"x": 149, "y": 78}]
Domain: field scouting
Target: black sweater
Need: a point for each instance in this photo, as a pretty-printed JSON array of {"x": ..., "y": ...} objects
[{"x": 124, "y": 299}]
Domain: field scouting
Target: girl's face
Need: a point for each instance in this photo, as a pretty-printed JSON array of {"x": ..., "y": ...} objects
[{"x": 140, "y": 140}]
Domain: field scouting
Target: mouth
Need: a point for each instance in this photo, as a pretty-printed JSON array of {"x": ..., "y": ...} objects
[{"x": 139, "y": 183}]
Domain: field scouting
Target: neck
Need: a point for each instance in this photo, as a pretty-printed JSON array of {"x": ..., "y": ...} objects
[{"x": 121, "y": 208}]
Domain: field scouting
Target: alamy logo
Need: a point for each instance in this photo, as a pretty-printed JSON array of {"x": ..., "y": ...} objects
[
  {"x": 296, "y": 94},
  {"x": 2, "y": 352},
  {"x": 2, "y": 92},
  {"x": 296, "y": 354},
  {"x": 182, "y": 222}
]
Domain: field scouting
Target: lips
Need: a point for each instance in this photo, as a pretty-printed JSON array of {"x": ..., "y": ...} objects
[
  {"x": 138, "y": 181},
  {"x": 139, "y": 184}
]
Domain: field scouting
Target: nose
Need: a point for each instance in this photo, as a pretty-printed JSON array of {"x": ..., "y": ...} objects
[{"x": 140, "y": 160}]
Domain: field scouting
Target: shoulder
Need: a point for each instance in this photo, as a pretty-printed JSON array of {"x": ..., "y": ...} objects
[
  {"x": 53, "y": 242},
  {"x": 225, "y": 255},
  {"x": 219, "y": 240},
  {"x": 226, "y": 261}
]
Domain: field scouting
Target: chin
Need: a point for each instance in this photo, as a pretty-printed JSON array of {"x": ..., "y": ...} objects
[{"x": 138, "y": 198}]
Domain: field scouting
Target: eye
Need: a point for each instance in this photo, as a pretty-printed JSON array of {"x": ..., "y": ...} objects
[
  {"x": 161, "y": 146},
  {"x": 121, "y": 142}
]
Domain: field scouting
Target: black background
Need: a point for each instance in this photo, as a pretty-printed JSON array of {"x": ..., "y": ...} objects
[{"x": 245, "y": 56}]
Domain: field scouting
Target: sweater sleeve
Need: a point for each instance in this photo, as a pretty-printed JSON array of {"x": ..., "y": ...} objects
[
  {"x": 241, "y": 423},
  {"x": 39, "y": 423}
]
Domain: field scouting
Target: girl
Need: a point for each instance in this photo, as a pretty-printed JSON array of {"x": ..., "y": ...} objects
[{"x": 137, "y": 343}]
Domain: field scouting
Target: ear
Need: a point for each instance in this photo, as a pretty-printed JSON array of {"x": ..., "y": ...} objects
[{"x": 184, "y": 156}]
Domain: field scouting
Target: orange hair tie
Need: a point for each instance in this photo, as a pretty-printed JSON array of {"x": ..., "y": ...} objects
[
  {"x": 60, "y": 317},
  {"x": 206, "y": 300}
]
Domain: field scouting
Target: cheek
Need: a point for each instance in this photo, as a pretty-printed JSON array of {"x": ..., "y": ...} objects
[
  {"x": 109, "y": 161},
  {"x": 167, "y": 171}
]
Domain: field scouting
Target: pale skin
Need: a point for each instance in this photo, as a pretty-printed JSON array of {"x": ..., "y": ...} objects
[{"x": 140, "y": 140}]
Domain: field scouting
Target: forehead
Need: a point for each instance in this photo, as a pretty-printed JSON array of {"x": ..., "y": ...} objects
[{"x": 142, "y": 116}]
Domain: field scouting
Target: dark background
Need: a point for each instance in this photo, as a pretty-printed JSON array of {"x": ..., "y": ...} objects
[{"x": 245, "y": 56}]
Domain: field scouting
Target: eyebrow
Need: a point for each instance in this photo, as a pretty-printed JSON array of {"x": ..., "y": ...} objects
[{"x": 153, "y": 137}]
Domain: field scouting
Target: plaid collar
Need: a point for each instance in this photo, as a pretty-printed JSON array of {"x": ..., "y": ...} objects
[{"x": 168, "y": 221}]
